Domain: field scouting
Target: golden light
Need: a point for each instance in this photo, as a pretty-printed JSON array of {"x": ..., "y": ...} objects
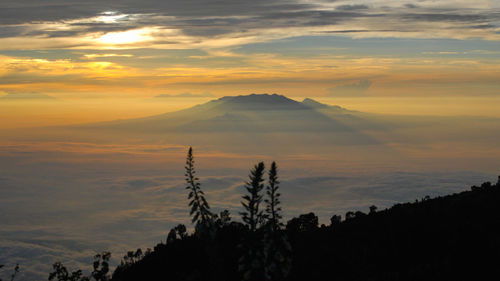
[
  {"x": 111, "y": 17},
  {"x": 126, "y": 37}
]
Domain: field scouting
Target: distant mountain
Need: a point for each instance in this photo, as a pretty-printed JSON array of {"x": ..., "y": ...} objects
[
  {"x": 249, "y": 120},
  {"x": 317, "y": 105}
]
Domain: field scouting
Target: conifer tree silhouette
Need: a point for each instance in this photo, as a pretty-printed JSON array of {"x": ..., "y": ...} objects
[
  {"x": 199, "y": 205},
  {"x": 252, "y": 216},
  {"x": 252, "y": 262},
  {"x": 277, "y": 249},
  {"x": 273, "y": 201}
]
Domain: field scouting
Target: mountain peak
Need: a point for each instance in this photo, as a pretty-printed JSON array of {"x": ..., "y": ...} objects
[
  {"x": 313, "y": 104},
  {"x": 318, "y": 105},
  {"x": 259, "y": 102},
  {"x": 256, "y": 98}
]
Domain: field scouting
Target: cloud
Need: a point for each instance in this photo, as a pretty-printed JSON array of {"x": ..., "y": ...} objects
[
  {"x": 411, "y": 6},
  {"x": 185, "y": 95},
  {"x": 350, "y": 89},
  {"x": 26, "y": 96},
  {"x": 351, "y": 7},
  {"x": 80, "y": 198},
  {"x": 104, "y": 213},
  {"x": 210, "y": 24},
  {"x": 94, "y": 56}
]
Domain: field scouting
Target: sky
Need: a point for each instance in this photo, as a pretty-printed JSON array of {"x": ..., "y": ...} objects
[
  {"x": 63, "y": 62},
  {"x": 139, "y": 49}
]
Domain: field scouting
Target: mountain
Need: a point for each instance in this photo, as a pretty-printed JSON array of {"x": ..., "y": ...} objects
[{"x": 248, "y": 120}]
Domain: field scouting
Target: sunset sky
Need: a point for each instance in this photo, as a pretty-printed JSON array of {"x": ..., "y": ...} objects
[
  {"x": 418, "y": 82},
  {"x": 330, "y": 49}
]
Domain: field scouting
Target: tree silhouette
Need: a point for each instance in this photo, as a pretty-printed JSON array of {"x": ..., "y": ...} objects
[
  {"x": 252, "y": 216},
  {"x": 251, "y": 263},
  {"x": 14, "y": 274},
  {"x": 99, "y": 273},
  {"x": 304, "y": 223},
  {"x": 199, "y": 205},
  {"x": 335, "y": 220},
  {"x": 277, "y": 249},
  {"x": 101, "y": 266},
  {"x": 178, "y": 232},
  {"x": 391, "y": 244},
  {"x": 132, "y": 257},
  {"x": 171, "y": 237},
  {"x": 60, "y": 273},
  {"x": 349, "y": 215},
  {"x": 223, "y": 219},
  {"x": 273, "y": 201}
]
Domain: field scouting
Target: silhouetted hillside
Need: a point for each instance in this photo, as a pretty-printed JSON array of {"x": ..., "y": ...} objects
[{"x": 454, "y": 237}]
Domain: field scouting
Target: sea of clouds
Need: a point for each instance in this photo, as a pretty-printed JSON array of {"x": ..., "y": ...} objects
[{"x": 67, "y": 202}]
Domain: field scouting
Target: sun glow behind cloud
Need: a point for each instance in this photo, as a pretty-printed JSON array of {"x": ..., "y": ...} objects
[
  {"x": 111, "y": 17},
  {"x": 126, "y": 37}
]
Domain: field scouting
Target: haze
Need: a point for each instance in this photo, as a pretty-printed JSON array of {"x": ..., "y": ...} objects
[{"x": 100, "y": 100}]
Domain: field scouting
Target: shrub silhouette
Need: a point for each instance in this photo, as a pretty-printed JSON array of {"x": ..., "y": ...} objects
[
  {"x": 454, "y": 237},
  {"x": 100, "y": 270},
  {"x": 14, "y": 274}
]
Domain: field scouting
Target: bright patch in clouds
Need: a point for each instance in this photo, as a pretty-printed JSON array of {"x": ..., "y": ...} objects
[
  {"x": 94, "y": 56},
  {"x": 111, "y": 17},
  {"x": 127, "y": 37}
]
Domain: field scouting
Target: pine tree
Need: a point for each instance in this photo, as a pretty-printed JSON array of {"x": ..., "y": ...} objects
[
  {"x": 277, "y": 249},
  {"x": 273, "y": 201},
  {"x": 251, "y": 263},
  {"x": 199, "y": 205},
  {"x": 252, "y": 216}
]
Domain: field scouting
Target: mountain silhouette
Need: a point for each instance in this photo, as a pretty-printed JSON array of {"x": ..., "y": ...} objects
[
  {"x": 249, "y": 120},
  {"x": 265, "y": 114}
]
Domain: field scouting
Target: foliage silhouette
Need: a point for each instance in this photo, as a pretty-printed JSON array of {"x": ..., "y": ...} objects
[
  {"x": 14, "y": 274},
  {"x": 252, "y": 262},
  {"x": 132, "y": 257},
  {"x": 252, "y": 216},
  {"x": 223, "y": 219},
  {"x": 60, "y": 273},
  {"x": 101, "y": 266},
  {"x": 273, "y": 208},
  {"x": 335, "y": 220},
  {"x": 200, "y": 210},
  {"x": 100, "y": 270},
  {"x": 454, "y": 237},
  {"x": 277, "y": 249}
]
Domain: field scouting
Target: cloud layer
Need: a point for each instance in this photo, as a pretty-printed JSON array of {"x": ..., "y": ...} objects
[
  {"x": 82, "y": 198},
  {"x": 218, "y": 24}
]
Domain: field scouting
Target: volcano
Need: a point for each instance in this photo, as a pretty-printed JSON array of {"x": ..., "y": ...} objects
[{"x": 245, "y": 119}]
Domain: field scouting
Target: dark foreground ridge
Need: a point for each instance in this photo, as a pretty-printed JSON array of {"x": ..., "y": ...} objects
[{"x": 455, "y": 237}]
